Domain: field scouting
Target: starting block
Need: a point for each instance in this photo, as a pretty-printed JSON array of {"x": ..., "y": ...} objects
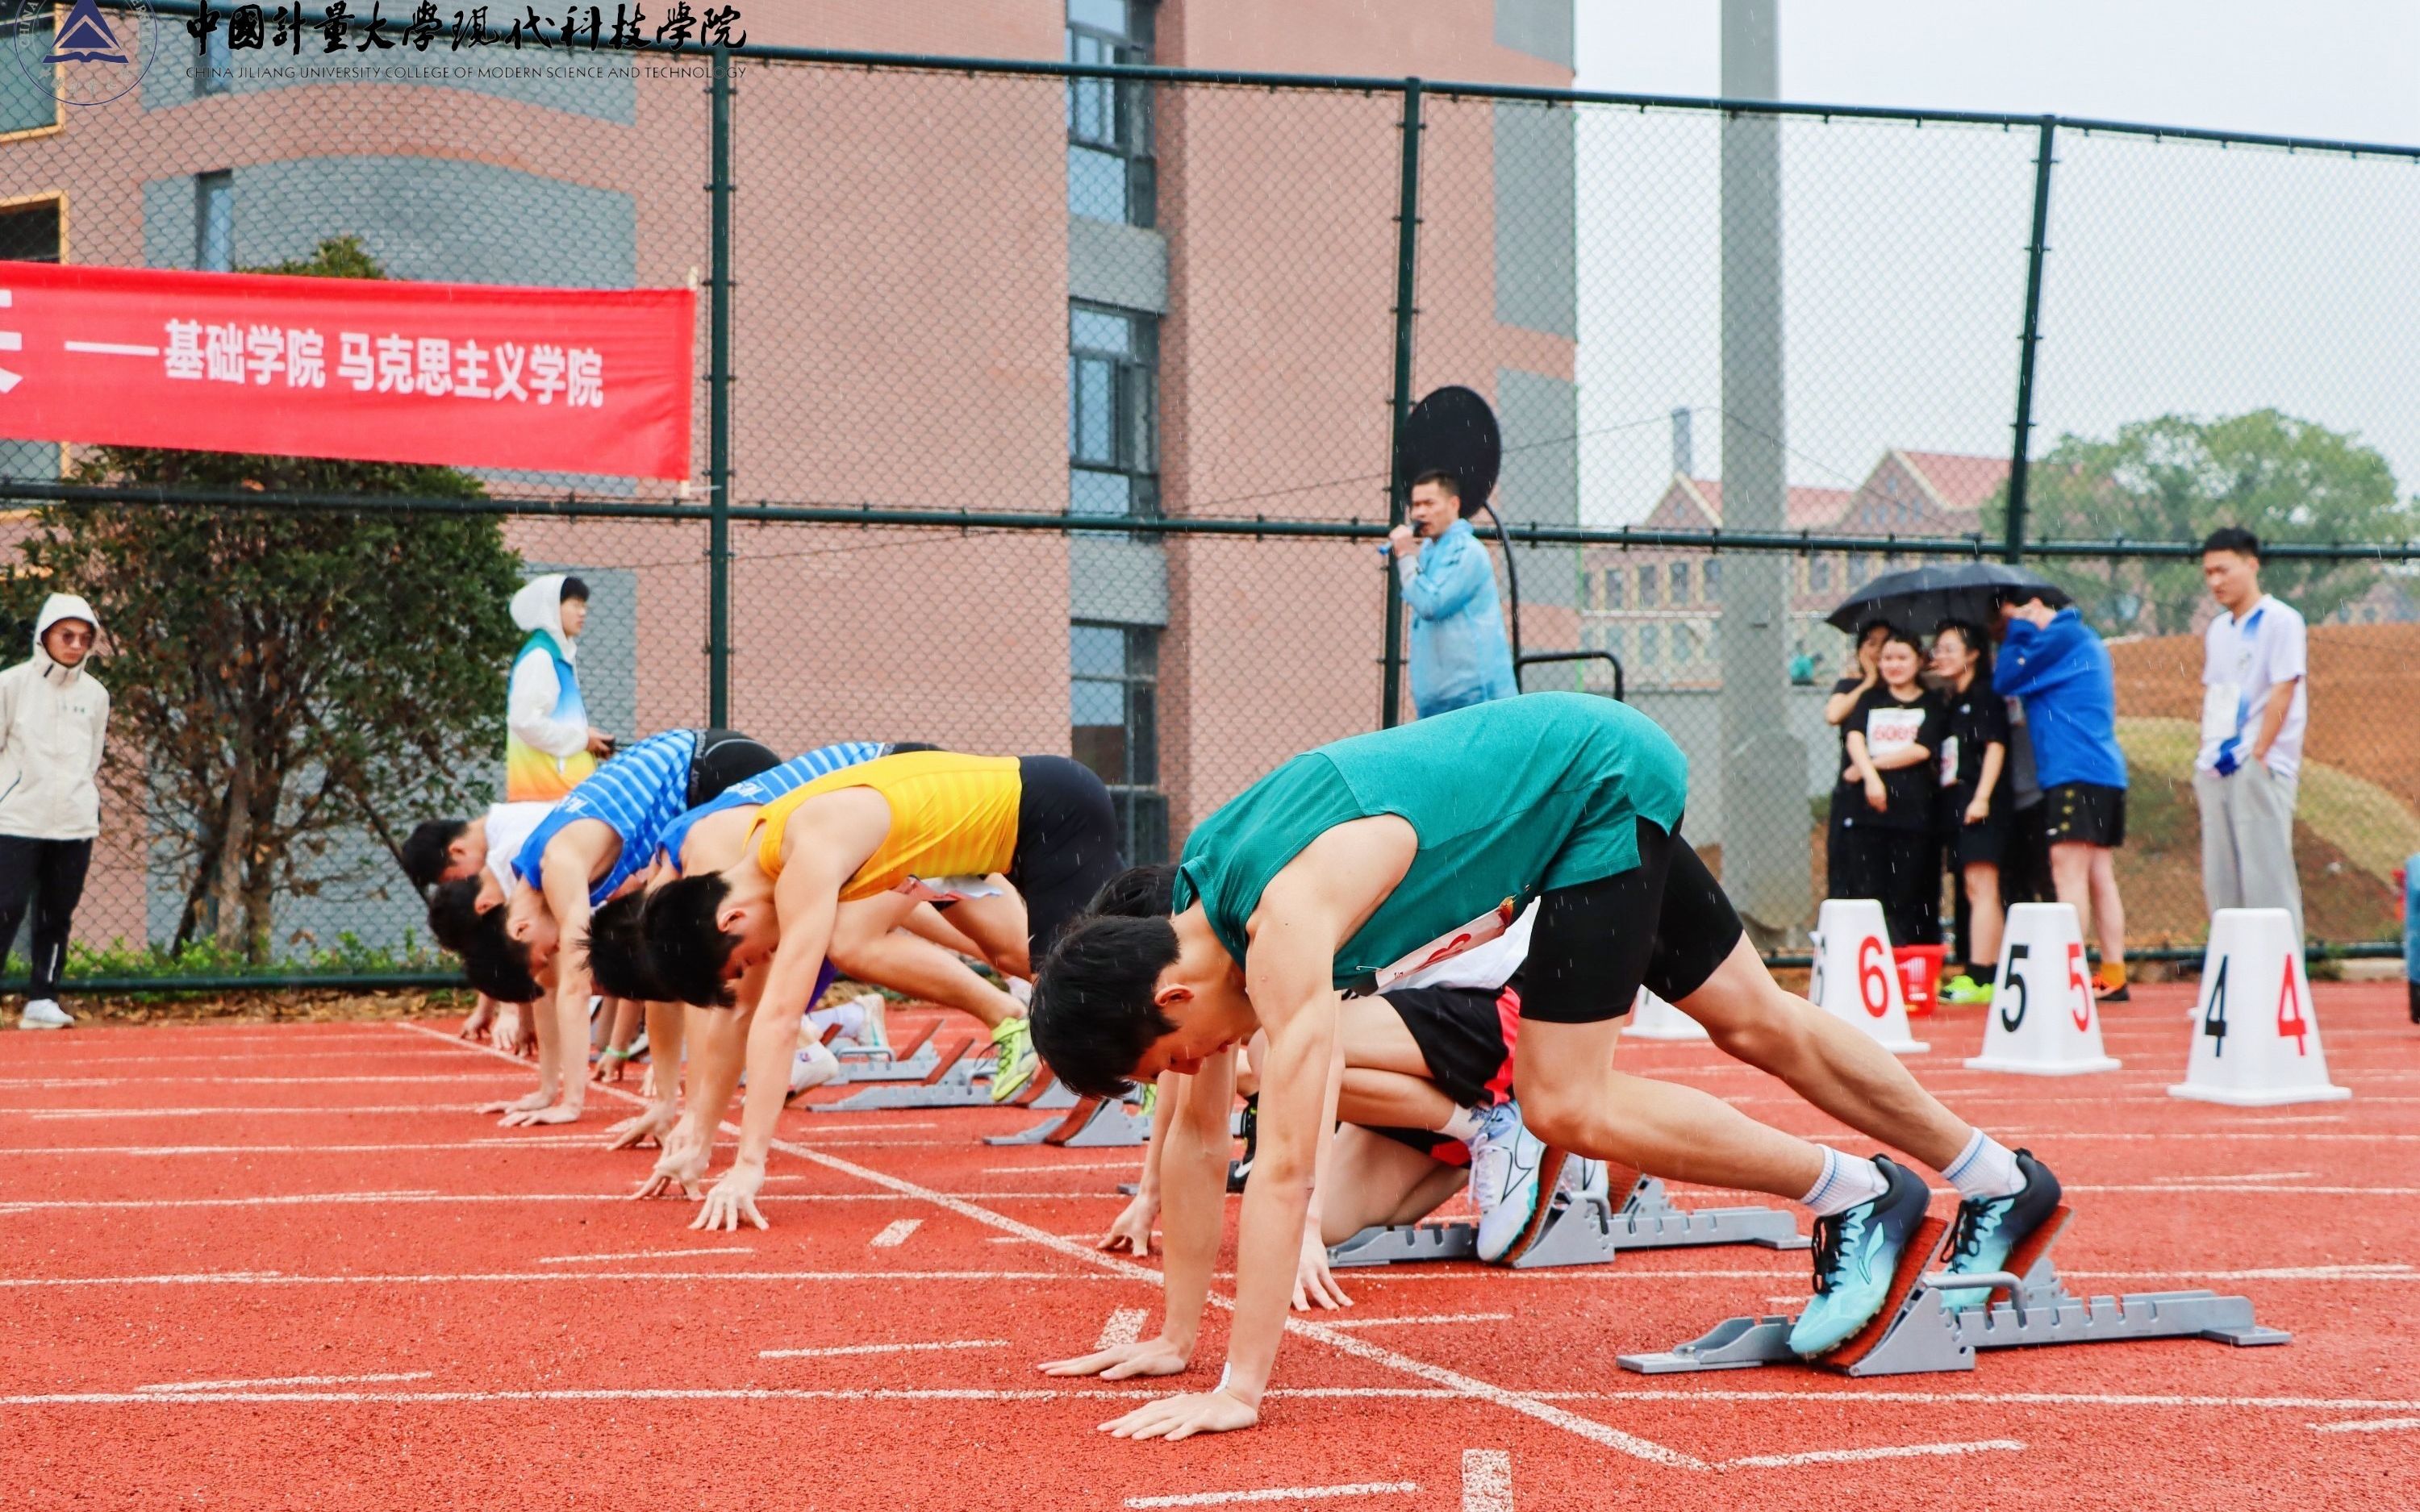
[
  {"x": 1091, "y": 1123},
  {"x": 911, "y": 1060},
  {"x": 1582, "y": 1231},
  {"x": 958, "y": 1079},
  {"x": 1915, "y": 1336}
]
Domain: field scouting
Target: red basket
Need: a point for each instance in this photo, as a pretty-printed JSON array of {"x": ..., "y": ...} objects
[{"x": 1919, "y": 976}]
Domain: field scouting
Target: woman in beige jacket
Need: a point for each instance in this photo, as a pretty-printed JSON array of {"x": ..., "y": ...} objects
[{"x": 53, "y": 716}]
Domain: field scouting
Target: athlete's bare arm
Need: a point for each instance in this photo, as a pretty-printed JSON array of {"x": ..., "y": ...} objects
[{"x": 579, "y": 851}]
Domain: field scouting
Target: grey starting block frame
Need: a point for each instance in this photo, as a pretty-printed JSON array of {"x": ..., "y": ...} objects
[
  {"x": 1924, "y": 1339},
  {"x": 1089, "y": 1123},
  {"x": 958, "y": 1079},
  {"x": 1583, "y": 1232},
  {"x": 915, "y": 1061}
]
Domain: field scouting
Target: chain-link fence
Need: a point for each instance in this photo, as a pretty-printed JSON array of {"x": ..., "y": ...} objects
[{"x": 1052, "y": 409}]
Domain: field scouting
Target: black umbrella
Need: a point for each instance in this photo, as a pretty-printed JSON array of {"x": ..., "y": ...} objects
[
  {"x": 1453, "y": 430},
  {"x": 1921, "y": 597}
]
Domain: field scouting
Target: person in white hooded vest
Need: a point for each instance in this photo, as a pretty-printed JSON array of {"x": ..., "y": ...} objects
[
  {"x": 548, "y": 744},
  {"x": 53, "y": 716}
]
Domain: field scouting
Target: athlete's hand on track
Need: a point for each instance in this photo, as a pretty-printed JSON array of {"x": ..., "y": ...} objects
[
  {"x": 1132, "y": 1227},
  {"x": 510, "y": 1106},
  {"x": 476, "y": 1026},
  {"x": 1313, "y": 1281},
  {"x": 1143, "y": 1357},
  {"x": 1180, "y": 1417},
  {"x": 647, "y": 1084},
  {"x": 681, "y": 1170},
  {"x": 532, "y": 1117},
  {"x": 732, "y": 1199},
  {"x": 611, "y": 1067},
  {"x": 647, "y": 1127}
]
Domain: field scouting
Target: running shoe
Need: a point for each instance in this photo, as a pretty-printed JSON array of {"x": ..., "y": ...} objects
[
  {"x": 1015, "y": 1062},
  {"x": 813, "y": 1065},
  {"x": 2413, "y": 987},
  {"x": 1509, "y": 1170},
  {"x": 1240, "y": 1171},
  {"x": 1964, "y": 991},
  {"x": 2109, "y": 983},
  {"x": 1148, "y": 1102},
  {"x": 1856, "y": 1254},
  {"x": 1582, "y": 1178},
  {"x": 1989, "y": 1229},
  {"x": 42, "y": 1013}
]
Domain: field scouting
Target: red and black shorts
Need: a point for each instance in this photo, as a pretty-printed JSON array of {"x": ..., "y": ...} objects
[{"x": 1466, "y": 1036}]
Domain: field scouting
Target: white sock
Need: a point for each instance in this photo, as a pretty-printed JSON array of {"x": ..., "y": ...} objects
[
  {"x": 1985, "y": 1168},
  {"x": 1847, "y": 1181},
  {"x": 1461, "y": 1125},
  {"x": 850, "y": 1016}
]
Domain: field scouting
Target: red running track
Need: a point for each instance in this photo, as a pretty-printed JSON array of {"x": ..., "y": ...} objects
[{"x": 283, "y": 1266}]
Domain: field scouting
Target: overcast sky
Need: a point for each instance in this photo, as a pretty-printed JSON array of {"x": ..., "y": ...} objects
[{"x": 2180, "y": 277}]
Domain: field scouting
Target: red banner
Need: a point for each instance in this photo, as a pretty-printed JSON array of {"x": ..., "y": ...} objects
[{"x": 460, "y": 375}]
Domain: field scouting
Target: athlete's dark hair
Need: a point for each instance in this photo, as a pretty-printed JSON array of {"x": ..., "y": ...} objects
[
  {"x": 573, "y": 588},
  {"x": 1973, "y": 639},
  {"x": 2233, "y": 538},
  {"x": 425, "y": 854},
  {"x": 496, "y": 964},
  {"x": 454, "y": 913},
  {"x": 618, "y": 958},
  {"x": 686, "y": 948},
  {"x": 1093, "y": 1013},
  {"x": 1136, "y": 893},
  {"x": 1445, "y": 478}
]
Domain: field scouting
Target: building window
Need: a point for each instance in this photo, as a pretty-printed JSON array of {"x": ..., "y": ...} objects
[
  {"x": 1860, "y": 568},
  {"x": 1679, "y": 582},
  {"x": 1650, "y": 645},
  {"x": 31, "y": 232},
  {"x": 1818, "y": 574},
  {"x": 1713, "y": 579},
  {"x": 1647, "y": 585},
  {"x": 1588, "y": 589},
  {"x": 30, "y": 100},
  {"x": 214, "y": 221},
  {"x": 1113, "y": 685},
  {"x": 217, "y": 72},
  {"x": 1111, "y": 176},
  {"x": 1613, "y": 586},
  {"x": 1112, "y": 411}
]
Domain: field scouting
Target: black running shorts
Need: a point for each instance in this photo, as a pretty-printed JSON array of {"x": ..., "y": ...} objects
[
  {"x": 723, "y": 757},
  {"x": 1663, "y": 924},
  {"x": 2086, "y": 813},
  {"x": 1465, "y": 1035},
  {"x": 1067, "y": 840}
]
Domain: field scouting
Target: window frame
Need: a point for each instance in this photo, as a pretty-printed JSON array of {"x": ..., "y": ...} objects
[
  {"x": 1135, "y": 792},
  {"x": 1131, "y": 138},
  {"x": 204, "y": 184},
  {"x": 1134, "y": 404}
]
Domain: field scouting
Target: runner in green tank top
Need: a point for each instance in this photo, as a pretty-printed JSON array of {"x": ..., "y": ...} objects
[{"x": 1356, "y": 863}]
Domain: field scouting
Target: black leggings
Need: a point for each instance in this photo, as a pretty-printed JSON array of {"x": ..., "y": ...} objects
[
  {"x": 50, "y": 874},
  {"x": 1663, "y": 924},
  {"x": 1066, "y": 846},
  {"x": 725, "y": 756},
  {"x": 1901, "y": 868}
]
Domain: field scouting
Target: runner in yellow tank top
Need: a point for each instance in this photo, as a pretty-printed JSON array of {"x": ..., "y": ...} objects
[{"x": 758, "y": 911}]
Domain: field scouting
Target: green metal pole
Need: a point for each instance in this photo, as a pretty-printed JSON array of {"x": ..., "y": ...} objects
[
  {"x": 1407, "y": 241},
  {"x": 2014, "y": 551},
  {"x": 718, "y": 408}
]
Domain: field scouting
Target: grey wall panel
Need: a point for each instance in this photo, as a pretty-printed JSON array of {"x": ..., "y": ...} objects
[
  {"x": 1541, "y": 481},
  {"x": 1112, "y": 577},
  {"x": 1542, "y": 28},
  {"x": 1121, "y": 265},
  {"x": 1536, "y": 218}
]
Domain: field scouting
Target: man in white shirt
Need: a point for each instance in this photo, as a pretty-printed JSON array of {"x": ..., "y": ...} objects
[{"x": 2255, "y": 705}]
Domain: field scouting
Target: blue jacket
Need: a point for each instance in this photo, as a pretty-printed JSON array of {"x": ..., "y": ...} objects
[
  {"x": 1458, "y": 650},
  {"x": 2063, "y": 674}
]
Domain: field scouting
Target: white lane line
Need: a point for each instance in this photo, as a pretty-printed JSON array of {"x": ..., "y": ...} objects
[
  {"x": 642, "y": 1254},
  {"x": 52, "y": 1115},
  {"x": 483, "y": 1278},
  {"x": 2262, "y": 1188},
  {"x": 1277, "y": 1494},
  {"x": 1486, "y": 1480},
  {"x": 1067, "y": 1166},
  {"x": 1527, "y": 1405},
  {"x": 485, "y": 1142},
  {"x": 1423, "y": 1318},
  {"x": 249, "y": 1081},
  {"x": 285, "y": 1381},
  {"x": 2372, "y": 1425},
  {"x": 9, "y": 1205},
  {"x": 1894, "y": 1451},
  {"x": 1123, "y": 1326},
  {"x": 832, "y": 1350},
  {"x": 895, "y": 1232}
]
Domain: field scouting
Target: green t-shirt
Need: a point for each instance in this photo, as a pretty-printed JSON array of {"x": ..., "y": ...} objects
[{"x": 1509, "y": 799}]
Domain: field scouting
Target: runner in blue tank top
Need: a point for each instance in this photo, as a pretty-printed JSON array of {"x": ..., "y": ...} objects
[{"x": 1355, "y": 864}]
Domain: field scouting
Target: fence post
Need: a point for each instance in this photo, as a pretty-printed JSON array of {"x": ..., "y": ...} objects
[
  {"x": 718, "y": 406},
  {"x": 1408, "y": 226},
  {"x": 2014, "y": 551}
]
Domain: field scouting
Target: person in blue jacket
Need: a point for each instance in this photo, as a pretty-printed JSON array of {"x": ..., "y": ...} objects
[
  {"x": 2056, "y": 664},
  {"x": 1459, "y": 656}
]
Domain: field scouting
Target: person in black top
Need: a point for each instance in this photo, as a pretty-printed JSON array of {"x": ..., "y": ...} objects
[
  {"x": 1888, "y": 791},
  {"x": 1841, "y": 873},
  {"x": 1975, "y": 806}
]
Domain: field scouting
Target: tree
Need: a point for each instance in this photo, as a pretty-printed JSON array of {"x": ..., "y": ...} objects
[
  {"x": 2177, "y": 478},
  {"x": 281, "y": 678}
]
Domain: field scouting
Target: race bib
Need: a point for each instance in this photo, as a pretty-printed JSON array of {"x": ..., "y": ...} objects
[
  {"x": 948, "y": 889},
  {"x": 2219, "y": 704},
  {"x": 1892, "y": 730},
  {"x": 1427, "y": 962},
  {"x": 1949, "y": 761}
]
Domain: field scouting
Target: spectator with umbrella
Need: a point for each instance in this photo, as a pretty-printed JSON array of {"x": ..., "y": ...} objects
[{"x": 1974, "y": 809}]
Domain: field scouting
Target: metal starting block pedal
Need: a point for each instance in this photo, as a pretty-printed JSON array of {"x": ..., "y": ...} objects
[
  {"x": 958, "y": 1079},
  {"x": 1091, "y": 1124},
  {"x": 1581, "y": 1232},
  {"x": 1915, "y": 1336},
  {"x": 910, "y": 1060}
]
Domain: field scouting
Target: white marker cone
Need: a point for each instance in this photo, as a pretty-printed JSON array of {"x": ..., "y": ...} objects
[
  {"x": 1656, "y": 1019},
  {"x": 2043, "y": 1019},
  {"x": 1855, "y": 978},
  {"x": 2256, "y": 1038}
]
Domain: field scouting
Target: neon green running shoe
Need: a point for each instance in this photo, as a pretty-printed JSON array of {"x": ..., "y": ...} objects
[
  {"x": 1149, "y": 1103},
  {"x": 1964, "y": 991},
  {"x": 1015, "y": 1062}
]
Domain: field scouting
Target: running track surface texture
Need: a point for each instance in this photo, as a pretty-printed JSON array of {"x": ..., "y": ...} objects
[{"x": 284, "y": 1266}]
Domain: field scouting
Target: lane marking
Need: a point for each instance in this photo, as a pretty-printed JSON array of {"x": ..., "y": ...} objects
[
  {"x": 279, "y": 1278},
  {"x": 1486, "y": 1480},
  {"x": 1527, "y": 1405},
  {"x": 284, "y": 1381},
  {"x": 251, "y": 1081},
  {"x": 642, "y": 1254},
  {"x": 832, "y": 1350},
  {"x": 1277, "y": 1494},
  {"x": 53, "y": 1114},
  {"x": 895, "y": 1233},
  {"x": 2373, "y": 1424},
  {"x": 1070, "y": 1166},
  {"x": 1124, "y": 1326},
  {"x": 9, "y": 1205},
  {"x": 1423, "y": 1318},
  {"x": 1847, "y": 1456}
]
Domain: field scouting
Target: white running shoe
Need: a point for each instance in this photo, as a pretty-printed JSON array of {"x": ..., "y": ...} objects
[
  {"x": 1504, "y": 1161},
  {"x": 813, "y": 1065},
  {"x": 42, "y": 1013}
]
